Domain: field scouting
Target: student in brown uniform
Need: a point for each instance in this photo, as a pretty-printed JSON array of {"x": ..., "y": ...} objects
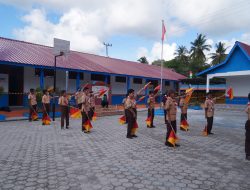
[
  {"x": 46, "y": 103},
  {"x": 184, "y": 108},
  {"x": 32, "y": 103},
  {"x": 131, "y": 111},
  {"x": 85, "y": 107},
  {"x": 64, "y": 106},
  {"x": 171, "y": 107},
  {"x": 209, "y": 112},
  {"x": 164, "y": 100},
  {"x": 247, "y": 127},
  {"x": 151, "y": 108},
  {"x": 92, "y": 105},
  {"x": 78, "y": 98}
]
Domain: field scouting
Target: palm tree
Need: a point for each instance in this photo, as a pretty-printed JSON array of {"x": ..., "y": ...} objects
[
  {"x": 181, "y": 54},
  {"x": 220, "y": 53},
  {"x": 198, "y": 47}
]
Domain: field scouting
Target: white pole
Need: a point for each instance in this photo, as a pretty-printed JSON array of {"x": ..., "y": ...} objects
[
  {"x": 161, "y": 58},
  {"x": 67, "y": 81}
]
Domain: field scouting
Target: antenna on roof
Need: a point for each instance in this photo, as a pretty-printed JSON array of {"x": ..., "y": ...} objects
[{"x": 107, "y": 45}]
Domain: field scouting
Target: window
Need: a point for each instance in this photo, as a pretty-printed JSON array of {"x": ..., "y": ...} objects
[
  {"x": 137, "y": 80},
  {"x": 73, "y": 75},
  {"x": 120, "y": 79},
  {"x": 47, "y": 72},
  {"x": 167, "y": 83},
  {"x": 98, "y": 77}
]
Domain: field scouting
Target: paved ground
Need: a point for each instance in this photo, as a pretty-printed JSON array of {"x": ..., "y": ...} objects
[{"x": 33, "y": 156}]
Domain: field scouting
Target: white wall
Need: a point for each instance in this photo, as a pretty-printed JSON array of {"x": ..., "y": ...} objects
[
  {"x": 240, "y": 85},
  {"x": 4, "y": 82},
  {"x": 118, "y": 87},
  {"x": 30, "y": 80},
  {"x": 137, "y": 87}
]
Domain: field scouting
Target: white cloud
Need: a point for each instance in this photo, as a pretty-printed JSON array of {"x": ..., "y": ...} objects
[{"x": 155, "y": 52}]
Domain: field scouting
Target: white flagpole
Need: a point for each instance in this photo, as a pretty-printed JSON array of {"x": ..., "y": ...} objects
[{"x": 162, "y": 56}]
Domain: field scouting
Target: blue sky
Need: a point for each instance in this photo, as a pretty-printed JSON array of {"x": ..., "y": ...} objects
[{"x": 133, "y": 27}]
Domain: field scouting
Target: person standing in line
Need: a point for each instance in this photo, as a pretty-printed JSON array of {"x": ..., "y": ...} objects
[
  {"x": 78, "y": 98},
  {"x": 247, "y": 127},
  {"x": 46, "y": 103},
  {"x": 151, "y": 108},
  {"x": 85, "y": 108},
  {"x": 32, "y": 104},
  {"x": 184, "y": 108},
  {"x": 164, "y": 99},
  {"x": 209, "y": 112},
  {"x": 64, "y": 106},
  {"x": 171, "y": 107}
]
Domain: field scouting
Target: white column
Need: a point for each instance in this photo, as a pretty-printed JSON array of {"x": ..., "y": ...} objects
[{"x": 208, "y": 82}]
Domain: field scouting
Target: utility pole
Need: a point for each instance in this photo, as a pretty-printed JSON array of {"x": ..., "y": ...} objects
[{"x": 107, "y": 45}]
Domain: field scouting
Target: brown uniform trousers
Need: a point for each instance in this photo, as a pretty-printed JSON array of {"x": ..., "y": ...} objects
[
  {"x": 64, "y": 116},
  {"x": 46, "y": 109},
  {"x": 33, "y": 108}
]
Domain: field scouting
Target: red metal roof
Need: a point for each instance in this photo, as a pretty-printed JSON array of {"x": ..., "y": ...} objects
[
  {"x": 39, "y": 55},
  {"x": 246, "y": 48}
]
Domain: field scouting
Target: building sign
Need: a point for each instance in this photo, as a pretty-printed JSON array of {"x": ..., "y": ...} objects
[{"x": 4, "y": 82}]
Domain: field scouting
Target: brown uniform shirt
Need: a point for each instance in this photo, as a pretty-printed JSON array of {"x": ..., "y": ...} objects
[
  {"x": 209, "y": 105},
  {"x": 151, "y": 102},
  {"x": 78, "y": 96},
  {"x": 183, "y": 106},
  {"x": 248, "y": 110},
  {"x": 85, "y": 103},
  {"x": 129, "y": 103},
  {"x": 92, "y": 101},
  {"x": 32, "y": 98},
  {"x": 46, "y": 99},
  {"x": 171, "y": 107},
  {"x": 63, "y": 101}
]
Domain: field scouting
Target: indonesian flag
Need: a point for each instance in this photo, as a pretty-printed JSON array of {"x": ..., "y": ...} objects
[
  {"x": 184, "y": 125},
  {"x": 146, "y": 86},
  {"x": 34, "y": 115},
  {"x": 87, "y": 126},
  {"x": 75, "y": 113},
  {"x": 230, "y": 93},
  {"x": 163, "y": 31},
  {"x": 141, "y": 98},
  {"x": 122, "y": 120},
  {"x": 135, "y": 128},
  {"x": 172, "y": 138},
  {"x": 189, "y": 93},
  {"x": 148, "y": 121},
  {"x": 102, "y": 91},
  {"x": 157, "y": 89},
  {"x": 94, "y": 117},
  {"x": 204, "y": 132},
  {"x": 46, "y": 120}
]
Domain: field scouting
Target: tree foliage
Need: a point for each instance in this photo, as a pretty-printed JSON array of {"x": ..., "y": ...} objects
[{"x": 143, "y": 60}]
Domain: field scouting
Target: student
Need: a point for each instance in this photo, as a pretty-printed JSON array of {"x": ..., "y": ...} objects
[
  {"x": 85, "y": 108},
  {"x": 209, "y": 112},
  {"x": 184, "y": 108},
  {"x": 78, "y": 98},
  {"x": 164, "y": 99},
  {"x": 171, "y": 107},
  {"x": 105, "y": 103},
  {"x": 247, "y": 127},
  {"x": 32, "y": 104},
  {"x": 151, "y": 108},
  {"x": 64, "y": 106},
  {"x": 46, "y": 103}
]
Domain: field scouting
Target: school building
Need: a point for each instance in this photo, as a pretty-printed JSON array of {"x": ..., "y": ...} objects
[
  {"x": 236, "y": 70},
  {"x": 26, "y": 65}
]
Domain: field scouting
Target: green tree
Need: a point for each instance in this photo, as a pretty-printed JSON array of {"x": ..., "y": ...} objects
[
  {"x": 182, "y": 54},
  {"x": 220, "y": 53},
  {"x": 143, "y": 60},
  {"x": 157, "y": 62}
]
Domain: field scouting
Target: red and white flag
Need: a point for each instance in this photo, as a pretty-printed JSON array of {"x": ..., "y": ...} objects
[{"x": 163, "y": 31}]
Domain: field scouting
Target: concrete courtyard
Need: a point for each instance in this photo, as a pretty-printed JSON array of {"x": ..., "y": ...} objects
[{"x": 33, "y": 156}]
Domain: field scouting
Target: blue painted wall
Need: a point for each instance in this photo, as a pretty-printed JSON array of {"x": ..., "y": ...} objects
[
  {"x": 237, "y": 62},
  {"x": 4, "y": 100},
  {"x": 237, "y": 100}
]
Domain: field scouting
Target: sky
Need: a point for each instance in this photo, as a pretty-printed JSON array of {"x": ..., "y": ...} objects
[{"x": 133, "y": 27}]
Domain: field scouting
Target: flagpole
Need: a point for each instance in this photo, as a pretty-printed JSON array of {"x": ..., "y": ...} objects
[{"x": 162, "y": 55}]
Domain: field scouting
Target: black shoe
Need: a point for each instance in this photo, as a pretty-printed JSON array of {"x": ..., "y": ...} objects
[
  {"x": 43, "y": 123},
  {"x": 129, "y": 137},
  {"x": 169, "y": 144},
  {"x": 177, "y": 145},
  {"x": 67, "y": 127},
  {"x": 153, "y": 126},
  {"x": 62, "y": 128},
  {"x": 148, "y": 126},
  {"x": 248, "y": 158},
  {"x": 134, "y": 136},
  {"x": 211, "y": 133},
  {"x": 85, "y": 131}
]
